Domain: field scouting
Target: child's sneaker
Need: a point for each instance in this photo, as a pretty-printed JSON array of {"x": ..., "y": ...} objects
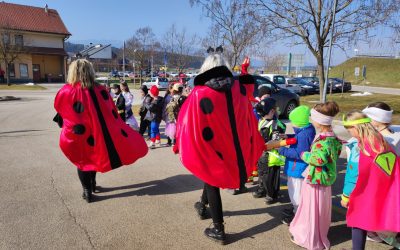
[
  {"x": 158, "y": 143},
  {"x": 287, "y": 220},
  {"x": 152, "y": 145},
  {"x": 259, "y": 193}
]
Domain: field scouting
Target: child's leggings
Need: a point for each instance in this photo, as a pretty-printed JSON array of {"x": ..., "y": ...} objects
[
  {"x": 155, "y": 131},
  {"x": 358, "y": 237}
]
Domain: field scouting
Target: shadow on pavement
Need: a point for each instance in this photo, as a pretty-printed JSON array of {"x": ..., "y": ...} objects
[
  {"x": 274, "y": 211},
  {"x": 171, "y": 185}
]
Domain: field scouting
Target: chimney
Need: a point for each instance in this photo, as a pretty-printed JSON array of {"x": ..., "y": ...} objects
[{"x": 46, "y": 8}]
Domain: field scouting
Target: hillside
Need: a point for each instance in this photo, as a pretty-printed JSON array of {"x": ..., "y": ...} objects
[{"x": 380, "y": 72}]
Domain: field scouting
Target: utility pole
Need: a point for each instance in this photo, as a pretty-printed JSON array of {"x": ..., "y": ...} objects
[
  {"x": 123, "y": 62},
  {"x": 329, "y": 54}
]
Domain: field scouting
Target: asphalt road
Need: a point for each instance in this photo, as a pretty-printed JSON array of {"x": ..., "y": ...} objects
[{"x": 148, "y": 205}]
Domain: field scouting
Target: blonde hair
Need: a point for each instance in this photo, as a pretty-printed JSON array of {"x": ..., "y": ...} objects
[
  {"x": 82, "y": 71},
  {"x": 212, "y": 61},
  {"x": 367, "y": 134}
]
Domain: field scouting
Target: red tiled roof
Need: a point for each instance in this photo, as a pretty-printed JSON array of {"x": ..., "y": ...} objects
[{"x": 28, "y": 18}]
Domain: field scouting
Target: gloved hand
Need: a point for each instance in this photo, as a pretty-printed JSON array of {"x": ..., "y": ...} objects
[{"x": 245, "y": 66}]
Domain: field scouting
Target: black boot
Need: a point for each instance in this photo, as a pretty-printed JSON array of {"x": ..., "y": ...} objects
[
  {"x": 217, "y": 233},
  {"x": 259, "y": 193},
  {"x": 93, "y": 182},
  {"x": 201, "y": 210},
  {"x": 87, "y": 195}
]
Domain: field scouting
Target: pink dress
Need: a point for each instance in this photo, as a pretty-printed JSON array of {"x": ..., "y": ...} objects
[{"x": 311, "y": 223}]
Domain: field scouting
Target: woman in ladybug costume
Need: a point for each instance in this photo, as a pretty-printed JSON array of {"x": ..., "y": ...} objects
[
  {"x": 217, "y": 136},
  {"x": 93, "y": 135}
]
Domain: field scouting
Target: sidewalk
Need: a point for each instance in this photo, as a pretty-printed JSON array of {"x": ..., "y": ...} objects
[{"x": 379, "y": 90}]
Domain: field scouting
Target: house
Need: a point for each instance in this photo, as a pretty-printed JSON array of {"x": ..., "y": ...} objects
[{"x": 32, "y": 42}]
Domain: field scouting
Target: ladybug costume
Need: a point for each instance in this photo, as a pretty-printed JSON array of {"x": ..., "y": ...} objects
[
  {"x": 93, "y": 136},
  {"x": 217, "y": 135}
]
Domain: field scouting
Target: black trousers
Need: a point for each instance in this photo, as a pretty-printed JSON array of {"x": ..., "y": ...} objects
[
  {"x": 212, "y": 196},
  {"x": 87, "y": 178},
  {"x": 268, "y": 177},
  {"x": 144, "y": 124},
  {"x": 358, "y": 238}
]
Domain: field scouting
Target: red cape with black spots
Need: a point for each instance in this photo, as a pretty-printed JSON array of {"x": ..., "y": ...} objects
[
  {"x": 217, "y": 135},
  {"x": 93, "y": 135}
]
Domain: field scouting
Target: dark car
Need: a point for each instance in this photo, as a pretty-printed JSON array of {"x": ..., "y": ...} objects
[
  {"x": 306, "y": 87},
  {"x": 285, "y": 99},
  {"x": 337, "y": 84},
  {"x": 311, "y": 79}
]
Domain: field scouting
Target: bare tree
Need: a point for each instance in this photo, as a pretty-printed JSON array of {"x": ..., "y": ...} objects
[
  {"x": 310, "y": 22},
  {"x": 141, "y": 47},
  {"x": 10, "y": 49},
  {"x": 180, "y": 47},
  {"x": 232, "y": 22}
]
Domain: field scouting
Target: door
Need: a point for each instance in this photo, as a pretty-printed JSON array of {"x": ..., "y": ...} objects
[{"x": 36, "y": 72}]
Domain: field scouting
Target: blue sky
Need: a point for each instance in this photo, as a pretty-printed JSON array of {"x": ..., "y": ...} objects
[{"x": 115, "y": 21}]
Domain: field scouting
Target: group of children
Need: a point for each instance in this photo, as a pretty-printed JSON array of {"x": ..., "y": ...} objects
[
  {"x": 372, "y": 181},
  {"x": 155, "y": 108}
]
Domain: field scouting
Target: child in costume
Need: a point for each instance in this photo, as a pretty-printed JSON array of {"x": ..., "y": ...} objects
[
  {"x": 167, "y": 99},
  {"x": 378, "y": 173},
  {"x": 381, "y": 118},
  {"x": 119, "y": 101},
  {"x": 144, "y": 123},
  {"x": 310, "y": 225},
  {"x": 93, "y": 137},
  {"x": 217, "y": 136},
  {"x": 270, "y": 162},
  {"x": 154, "y": 115},
  {"x": 294, "y": 165},
  {"x": 263, "y": 92},
  {"x": 130, "y": 118},
  {"x": 172, "y": 110}
]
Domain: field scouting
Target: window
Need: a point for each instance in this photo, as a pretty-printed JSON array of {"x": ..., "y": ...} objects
[
  {"x": 6, "y": 39},
  {"x": 11, "y": 69},
  {"x": 23, "y": 70},
  {"x": 19, "y": 40},
  {"x": 279, "y": 80}
]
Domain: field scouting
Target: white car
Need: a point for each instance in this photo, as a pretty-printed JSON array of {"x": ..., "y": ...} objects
[
  {"x": 281, "y": 81},
  {"x": 161, "y": 83}
]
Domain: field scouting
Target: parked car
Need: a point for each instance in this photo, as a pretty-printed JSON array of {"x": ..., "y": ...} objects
[
  {"x": 311, "y": 79},
  {"x": 307, "y": 88},
  {"x": 161, "y": 83},
  {"x": 337, "y": 84},
  {"x": 113, "y": 73},
  {"x": 173, "y": 74},
  {"x": 123, "y": 74},
  {"x": 281, "y": 82},
  {"x": 286, "y": 100}
]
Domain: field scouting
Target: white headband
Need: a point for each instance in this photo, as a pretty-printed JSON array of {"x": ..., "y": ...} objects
[
  {"x": 378, "y": 114},
  {"x": 321, "y": 118}
]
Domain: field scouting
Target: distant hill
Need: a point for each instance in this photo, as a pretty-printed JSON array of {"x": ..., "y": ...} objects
[{"x": 381, "y": 72}]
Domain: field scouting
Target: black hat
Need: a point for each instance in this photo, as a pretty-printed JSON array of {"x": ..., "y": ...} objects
[
  {"x": 144, "y": 89},
  {"x": 265, "y": 106}
]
